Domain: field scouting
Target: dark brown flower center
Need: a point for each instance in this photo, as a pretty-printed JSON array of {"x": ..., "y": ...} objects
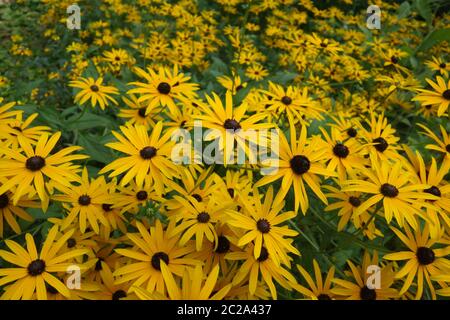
[
  {"x": 36, "y": 267},
  {"x": 231, "y": 124},
  {"x": 223, "y": 244},
  {"x": 367, "y": 294},
  {"x": 447, "y": 148},
  {"x": 286, "y": 100},
  {"x": 425, "y": 255},
  {"x": 71, "y": 243},
  {"x": 164, "y": 88},
  {"x": 107, "y": 207},
  {"x": 147, "y": 153},
  {"x": 118, "y": 295},
  {"x": 263, "y": 225},
  {"x": 35, "y": 163},
  {"x": 98, "y": 264},
  {"x": 264, "y": 255},
  {"x": 197, "y": 197},
  {"x": 394, "y": 59},
  {"x": 94, "y": 88},
  {"x": 435, "y": 191},
  {"x": 300, "y": 164},
  {"x": 352, "y": 132},
  {"x": 446, "y": 94},
  {"x": 442, "y": 65},
  {"x": 354, "y": 201},
  {"x": 231, "y": 192},
  {"x": 142, "y": 195},
  {"x": 142, "y": 111},
  {"x": 203, "y": 217},
  {"x": 156, "y": 260},
  {"x": 388, "y": 190},
  {"x": 340, "y": 150},
  {"x": 380, "y": 144},
  {"x": 84, "y": 200},
  {"x": 4, "y": 201},
  {"x": 323, "y": 296}
]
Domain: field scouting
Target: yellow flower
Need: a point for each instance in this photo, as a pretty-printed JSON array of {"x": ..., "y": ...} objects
[{"x": 95, "y": 91}]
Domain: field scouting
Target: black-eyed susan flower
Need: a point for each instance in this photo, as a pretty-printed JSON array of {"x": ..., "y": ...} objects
[
  {"x": 198, "y": 219},
  {"x": 261, "y": 221},
  {"x": 390, "y": 185},
  {"x": 136, "y": 113},
  {"x": 29, "y": 167},
  {"x": 163, "y": 87},
  {"x": 84, "y": 202},
  {"x": 194, "y": 285},
  {"x": 9, "y": 211},
  {"x": 439, "y": 64},
  {"x": 318, "y": 287},
  {"x": 300, "y": 161},
  {"x": 439, "y": 96},
  {"x": 152, "y": 247},
  {"x": 252, "y": 269},
  {"x": 426, "y": 259},
  {"x": 148, "y": 156},
  {"x": 94, "y": 90},
  {"x": 360, "y": 287},
  {"x": 230, "y": 126},
  {"x": 33, "y": 270}
]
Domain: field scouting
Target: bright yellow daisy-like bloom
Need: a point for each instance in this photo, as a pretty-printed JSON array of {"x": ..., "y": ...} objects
[
  {"x": 442, "y": 143},
  {"x": 150, "y": 249},
  {"x": 30, "y": 169},
  {"x": 133, "y": 196},
  {"x": 439, "y": 97},
  {"x": 35, "y": 270},
  {"x": 198, "y": 219},
  {"x": 292, "y": 102},
  {"x": 391, "y": 186},
  {"x": 345, "y": 157},
  {"x": 439, "y": 64},
  {"x": 424, "y": 261},
  {"x": 6, "y": 115},
  {"x": 233, "y": 84},
  {"x": 231, "y": 126},
  {"x": 300, "y": 161},
  {"x": 195, "y": 285},
  {"x": 360, "y": 288},
  {"x": 318, "y": 288},
  {"x": 435, "y": 177},
  {"x": 164, "y": 87},
  {"x": 256, "y": 72},
  {"x": 380, "y": 138},
  {"x": 261, "y": 220},
  {"x": 348, "y": 203},
  {"x": 85, "y": 202},
  {"x": 264, "y": 267},
  {"x": 136, "y": 113},
  {"x": 9, "y": 211},
  {"x": 95, "y": 91},
  {"x": 148, "y": 156},
  {"x": 19, "y": 127}
]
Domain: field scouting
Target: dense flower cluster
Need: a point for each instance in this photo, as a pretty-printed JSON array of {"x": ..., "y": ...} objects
[{"x": 89, "y": 181}]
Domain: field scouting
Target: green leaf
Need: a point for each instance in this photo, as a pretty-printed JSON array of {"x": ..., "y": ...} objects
[
  {"x": 404, "y": 10},
  {"x": 88, "y": 121},
  {"x": 434, "y": 38},
  {"x": 94, "y": 148},
  {"x": 424, "y": 9}
]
